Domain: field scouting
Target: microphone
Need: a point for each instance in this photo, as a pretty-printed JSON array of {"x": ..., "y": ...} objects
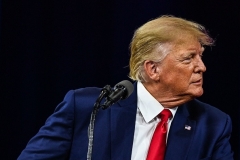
[{"x": 122, "y": 90}]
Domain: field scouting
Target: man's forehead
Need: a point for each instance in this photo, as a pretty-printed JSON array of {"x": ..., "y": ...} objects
[{"x": 188, "y": 45}]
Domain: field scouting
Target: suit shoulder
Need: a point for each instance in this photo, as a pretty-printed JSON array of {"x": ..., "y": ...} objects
[
  {"x": 82, "y": 96},
  {"x": 198, "y": 108}
]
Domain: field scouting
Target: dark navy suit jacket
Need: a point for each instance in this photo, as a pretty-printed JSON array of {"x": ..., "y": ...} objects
[{"x": 198, "y": 131}]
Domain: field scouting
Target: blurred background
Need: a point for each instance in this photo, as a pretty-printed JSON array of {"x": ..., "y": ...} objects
[{"x": 50, "y": 47}]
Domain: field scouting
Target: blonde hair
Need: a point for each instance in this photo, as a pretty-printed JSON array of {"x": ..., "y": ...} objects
[{"x": 153, "y": 41}]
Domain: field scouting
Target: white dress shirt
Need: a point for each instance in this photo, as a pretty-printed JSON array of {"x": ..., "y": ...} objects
[{"x": 146, "y": 122}]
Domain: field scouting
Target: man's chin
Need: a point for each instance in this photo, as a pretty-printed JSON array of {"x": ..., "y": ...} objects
[{"x": 198, "y": 93}]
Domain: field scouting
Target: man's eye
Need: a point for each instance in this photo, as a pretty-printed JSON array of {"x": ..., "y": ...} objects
[
  {"x": 189, "y": 57},
  {"x": 187, "y": 60}
]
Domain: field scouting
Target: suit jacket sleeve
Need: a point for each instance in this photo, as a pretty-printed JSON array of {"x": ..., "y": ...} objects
[
  {"x": 222, "y": 149},
  {"x": 53, "y": 141}
]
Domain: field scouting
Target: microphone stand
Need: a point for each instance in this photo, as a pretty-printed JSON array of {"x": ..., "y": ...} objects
[{"x": 105, "y": 91}]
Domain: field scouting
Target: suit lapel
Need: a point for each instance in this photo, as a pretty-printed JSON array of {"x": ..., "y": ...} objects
[
  {"x": 180, "y": 134},
  {"x": 123, "y": 116}
]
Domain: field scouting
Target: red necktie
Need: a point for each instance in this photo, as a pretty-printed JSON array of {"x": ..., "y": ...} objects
[{"x": 158, "y": 144}]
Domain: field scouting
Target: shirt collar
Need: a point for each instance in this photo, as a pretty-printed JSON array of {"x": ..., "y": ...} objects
[{"x": 148, "y": 105}]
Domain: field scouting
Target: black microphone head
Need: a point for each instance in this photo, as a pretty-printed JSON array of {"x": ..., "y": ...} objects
[{"x": 128, "y": 88}]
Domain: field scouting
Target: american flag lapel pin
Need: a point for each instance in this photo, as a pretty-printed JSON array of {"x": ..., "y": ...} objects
[{"x": 187, "y": 127}]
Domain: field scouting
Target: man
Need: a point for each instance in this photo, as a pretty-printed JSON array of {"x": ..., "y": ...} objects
[{"x": 166, "y": 63}]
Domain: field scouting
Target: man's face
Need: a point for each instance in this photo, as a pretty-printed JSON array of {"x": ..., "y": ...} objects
[{"x": 181, "y": 72}]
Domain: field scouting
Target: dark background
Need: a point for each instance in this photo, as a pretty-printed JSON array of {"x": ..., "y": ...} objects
[{"x": 50, "y": 47}]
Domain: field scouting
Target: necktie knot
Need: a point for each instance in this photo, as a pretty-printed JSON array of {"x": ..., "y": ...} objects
[{"x": 165, "y": 115}]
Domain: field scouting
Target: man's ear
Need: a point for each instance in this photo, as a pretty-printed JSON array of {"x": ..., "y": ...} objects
[{"x": 152, "y": 70}]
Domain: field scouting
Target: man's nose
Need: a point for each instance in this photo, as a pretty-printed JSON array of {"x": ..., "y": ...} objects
[{"x": 199, "y": 65}]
